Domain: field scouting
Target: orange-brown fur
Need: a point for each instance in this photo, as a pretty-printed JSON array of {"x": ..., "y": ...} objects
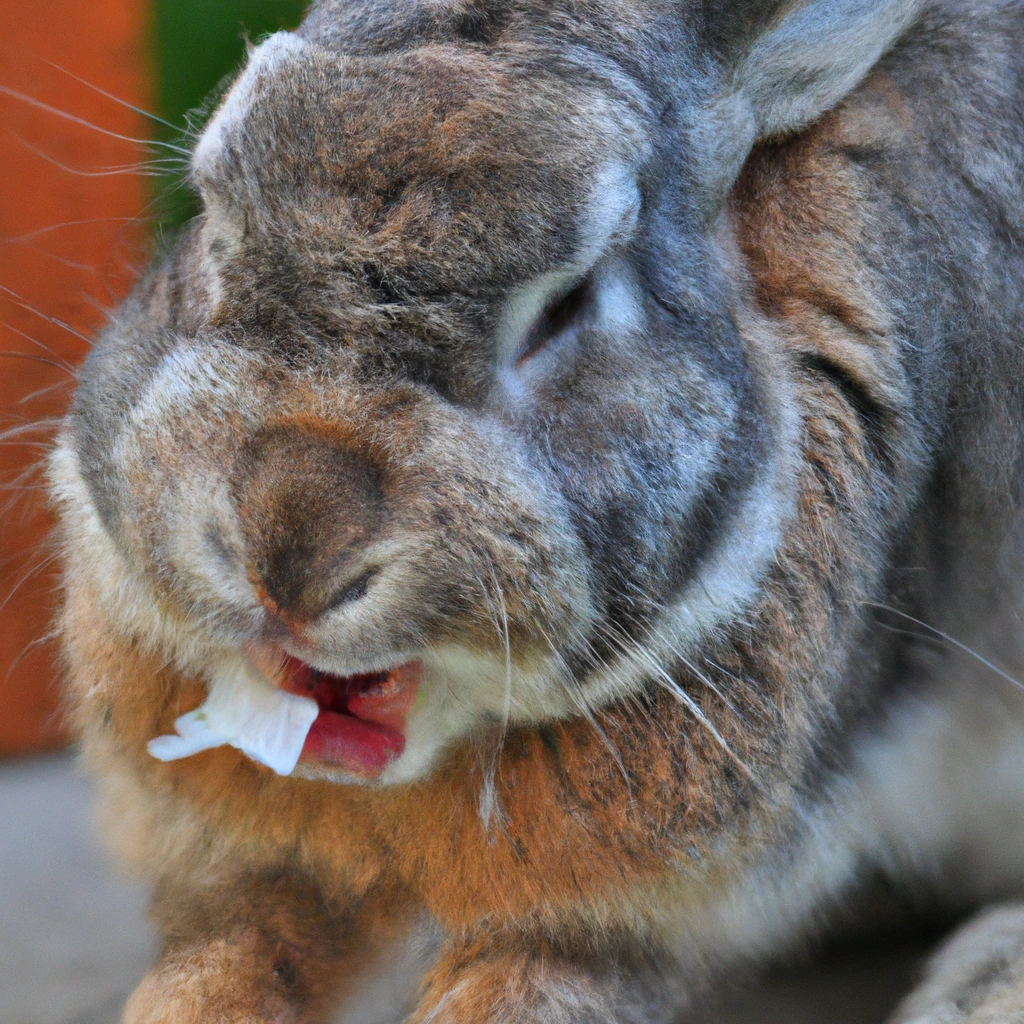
[
  {"x": 613, "y": 835},
  {"x": 606, "y": 827}
]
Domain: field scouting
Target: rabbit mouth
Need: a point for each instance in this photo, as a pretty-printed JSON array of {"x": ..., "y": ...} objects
[{"x": 362, "y": 718}]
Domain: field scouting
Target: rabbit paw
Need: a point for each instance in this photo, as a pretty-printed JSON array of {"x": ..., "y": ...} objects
[
  {"x": 228, "y": 981},
  {"x": 976, "y": 978},
  {"x": 474, "y": 984},
  {"x": 260, "y": 950}
]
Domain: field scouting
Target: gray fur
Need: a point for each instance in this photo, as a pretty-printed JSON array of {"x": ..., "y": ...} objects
[{"x": 650, "y": 372}]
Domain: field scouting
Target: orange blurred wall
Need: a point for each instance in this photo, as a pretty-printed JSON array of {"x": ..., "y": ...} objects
[{"x": 71, "y": 242}]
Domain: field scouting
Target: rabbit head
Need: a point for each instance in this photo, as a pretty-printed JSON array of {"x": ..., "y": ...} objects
[{"x": 453, "y": 403}]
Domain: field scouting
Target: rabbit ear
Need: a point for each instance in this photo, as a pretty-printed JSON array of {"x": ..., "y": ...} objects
[
  {"x": 813, "y": 55},
  {"x": 802, "y": 62}
]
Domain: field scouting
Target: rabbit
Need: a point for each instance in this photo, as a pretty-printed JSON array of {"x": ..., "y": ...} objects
[{"x": 561, "y": 495}]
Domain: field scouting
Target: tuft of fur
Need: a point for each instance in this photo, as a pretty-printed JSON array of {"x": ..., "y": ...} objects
[{"x": 651, "y": 373}]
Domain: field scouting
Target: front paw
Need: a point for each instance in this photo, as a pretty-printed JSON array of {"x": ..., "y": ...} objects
[
  {"x": 476, "y": 983},
  {"x": 976, "y": 978},
  {"x": 227, "y": 981}
]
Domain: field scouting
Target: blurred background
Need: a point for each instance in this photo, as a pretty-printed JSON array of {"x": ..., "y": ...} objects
[{"x": 98, "y": 100}]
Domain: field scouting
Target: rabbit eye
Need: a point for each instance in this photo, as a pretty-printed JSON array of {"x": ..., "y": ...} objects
[{"x": 558, "y": 317}]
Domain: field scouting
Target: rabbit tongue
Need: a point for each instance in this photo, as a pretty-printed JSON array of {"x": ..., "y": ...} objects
[
  {"x": 363, "y": 717},
  {"x": 246, "y": 711}
]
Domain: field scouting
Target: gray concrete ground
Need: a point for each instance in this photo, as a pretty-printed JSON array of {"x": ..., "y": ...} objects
[
  {"x": 73, "y": 934},
  {"x": 74, "y": 938}
]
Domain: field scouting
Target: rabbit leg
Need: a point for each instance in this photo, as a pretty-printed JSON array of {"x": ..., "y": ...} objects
[
  {"x": 263, "y": 949},
  {"x": 976, "y": 978},
  {"x": 498, "y": 980}
]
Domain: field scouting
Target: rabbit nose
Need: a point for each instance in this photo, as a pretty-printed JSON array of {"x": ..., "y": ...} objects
[{"x": 308, "y": 506}]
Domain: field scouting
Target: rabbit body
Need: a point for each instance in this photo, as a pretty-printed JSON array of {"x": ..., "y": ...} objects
[{"x": 645, "y": 377}]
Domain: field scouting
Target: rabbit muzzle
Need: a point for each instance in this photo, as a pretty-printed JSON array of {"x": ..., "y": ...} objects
[{"x": 353, "y": 535}]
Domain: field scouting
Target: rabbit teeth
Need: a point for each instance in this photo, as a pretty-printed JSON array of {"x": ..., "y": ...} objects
[{"x": 361, "y": 722}]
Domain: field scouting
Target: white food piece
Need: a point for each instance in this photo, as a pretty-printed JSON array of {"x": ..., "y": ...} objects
[{"x": 246, "y": 711}]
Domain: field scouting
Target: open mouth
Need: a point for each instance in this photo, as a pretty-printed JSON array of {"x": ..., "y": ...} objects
[{"x": 361, "y": 724}]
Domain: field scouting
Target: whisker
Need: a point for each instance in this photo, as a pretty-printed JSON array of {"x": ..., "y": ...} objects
[
  {"x": 506, "y": 642},
  {"x": 33, "y": 571},
  {"x": 111, "y": 96},
  {"x": 41, "y": 446},
  {"x": 753, "y": 690},
  {"x": 587, "y": 713},
  {"x": 675, "y": 689},
  {"x": 703, "y": 677},
  {"x": 951, "y": 640},
  {"x": 64, "y": 261},
  {"x": 39, "y": 232},
  {"x": 25, "y": 651},
  {"x": 489, "y": 802},
  {"x": 19, "y": 487},
  {"x": 34, "y": 341},
  {"x": 32, "y": 357},
  {"x": 31, "y": 427},
  {"x": 33, "y": 395},
  {"x": 146, "y": 168},
  {"x": 39, "y": 105},
  {"x": 43, "y": 316}
]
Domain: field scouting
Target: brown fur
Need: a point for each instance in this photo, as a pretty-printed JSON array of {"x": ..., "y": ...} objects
[{"x": 606, "y": 828}]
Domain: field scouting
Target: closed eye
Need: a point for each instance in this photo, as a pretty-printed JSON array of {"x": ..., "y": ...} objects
[{"x": 558, "y": 318}]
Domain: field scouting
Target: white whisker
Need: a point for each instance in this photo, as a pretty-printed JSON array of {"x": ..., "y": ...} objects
[
  {"x": 57, "y": 112},
  {"x": 673, "y": 687},
  {"x": 951, "y": 640}
]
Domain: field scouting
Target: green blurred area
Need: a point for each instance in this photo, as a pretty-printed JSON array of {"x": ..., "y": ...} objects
[{"x": 199, "y": 44}]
